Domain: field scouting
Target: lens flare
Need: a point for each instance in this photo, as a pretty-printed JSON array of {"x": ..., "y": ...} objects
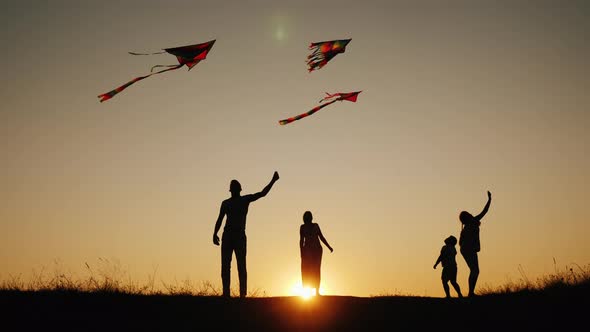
[
  {"x": 303, "y": 292},
  {"x": 280, "y": 33}
]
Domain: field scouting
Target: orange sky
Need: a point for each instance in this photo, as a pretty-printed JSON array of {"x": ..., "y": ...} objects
[{"x": 457, "y": 99}]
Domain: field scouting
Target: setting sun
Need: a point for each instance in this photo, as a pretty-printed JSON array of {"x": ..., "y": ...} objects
[{"x": 305, "y": 292}]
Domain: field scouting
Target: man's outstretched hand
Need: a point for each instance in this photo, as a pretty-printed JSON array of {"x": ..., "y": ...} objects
[
  {"x": 275, "y": 176},
  {"x": 215, "y": 239}
]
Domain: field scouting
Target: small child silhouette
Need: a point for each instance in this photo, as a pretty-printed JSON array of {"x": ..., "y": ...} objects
[{"x": 449, "y": 272}]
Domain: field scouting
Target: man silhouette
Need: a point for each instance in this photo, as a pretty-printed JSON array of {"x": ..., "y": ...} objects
[{"x": 234, "y": 232}]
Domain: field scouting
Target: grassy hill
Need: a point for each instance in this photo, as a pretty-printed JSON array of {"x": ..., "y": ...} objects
[
  {"x": 104, "y": 302},
  {"x": 557, "y": 308}
]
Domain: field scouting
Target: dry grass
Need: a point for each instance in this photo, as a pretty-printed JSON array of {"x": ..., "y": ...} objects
[
  {"x": 568, "y": 276},
  {"x": 395, "y": 292},
  {"x": 107, "y": 276}
]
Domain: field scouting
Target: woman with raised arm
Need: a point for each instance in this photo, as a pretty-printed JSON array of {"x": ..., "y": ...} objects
[
  {"x": 310, "y": 236},
  {"x": 469, "y": 242}
]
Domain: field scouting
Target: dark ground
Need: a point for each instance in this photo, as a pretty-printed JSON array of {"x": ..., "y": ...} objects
[{"x": 552, "y": 310}]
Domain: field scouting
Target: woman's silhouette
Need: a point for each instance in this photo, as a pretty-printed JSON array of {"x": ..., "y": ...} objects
[
  {"x": 310, "y": 235},
  {"x": 469, "y": 242}
]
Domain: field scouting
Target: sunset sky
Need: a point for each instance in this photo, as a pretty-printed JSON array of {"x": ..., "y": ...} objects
[{"x": 459, "y": 97}]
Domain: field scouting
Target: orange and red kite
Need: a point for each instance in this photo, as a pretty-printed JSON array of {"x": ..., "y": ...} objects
[
  {"x": 350, "y": 96},
  {"x": 186, "y": 55},
  {"x": 324, "y": 52}
]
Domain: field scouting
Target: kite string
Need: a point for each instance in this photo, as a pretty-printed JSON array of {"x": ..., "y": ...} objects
[
  {"x": 160, "y": 66},
  {"x": 134, "y": 53},
  {"x": 330, "y": 96}
]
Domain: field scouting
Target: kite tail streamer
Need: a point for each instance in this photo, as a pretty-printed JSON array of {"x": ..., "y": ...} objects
[
  {"x": 316, "y": 59},
  {"x": 306, "y": 114},
  {"x": 323, "y": 52},
  {"x": 112, "y": 93}
]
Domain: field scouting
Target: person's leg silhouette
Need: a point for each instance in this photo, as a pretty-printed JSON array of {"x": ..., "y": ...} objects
[
  {"x": 241, "y": 261},
  {"x": 226, "y": 256},
  {"x": 457, "y": 288},
  {"x": 473, "y": 264}
]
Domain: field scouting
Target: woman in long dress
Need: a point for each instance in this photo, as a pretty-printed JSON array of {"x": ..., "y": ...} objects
[
  {"x": 469, "y": 242},
  {"x": 310, "y": 236}
]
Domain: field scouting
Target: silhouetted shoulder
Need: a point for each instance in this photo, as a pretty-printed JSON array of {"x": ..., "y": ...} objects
[
  {"x": 225, "y": 202},
  {"x": 251, "y": 197}
]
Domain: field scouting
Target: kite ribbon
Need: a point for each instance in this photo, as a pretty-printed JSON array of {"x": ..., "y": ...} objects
[
  {"x": 301, "y": 116},
  {"x": 349, "y": 96},
  {"x": 112, "y": 93}
]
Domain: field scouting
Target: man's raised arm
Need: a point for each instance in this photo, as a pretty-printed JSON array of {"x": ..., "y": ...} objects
[{"x": 266, "y": 189}]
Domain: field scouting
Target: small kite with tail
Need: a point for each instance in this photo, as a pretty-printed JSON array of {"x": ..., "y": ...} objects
[{"x": 330, "y": 98}]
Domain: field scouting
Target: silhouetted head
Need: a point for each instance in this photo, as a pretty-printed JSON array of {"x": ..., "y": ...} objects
[
  {"x": 451, "y": 240},
  {"x": 307, "y": 217},
  {"x": 465, "y": 217},
  {"x": 235, "y": 187}
]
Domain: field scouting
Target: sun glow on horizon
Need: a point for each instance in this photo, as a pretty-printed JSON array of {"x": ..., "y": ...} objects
[{"x": 305, "y": 293}]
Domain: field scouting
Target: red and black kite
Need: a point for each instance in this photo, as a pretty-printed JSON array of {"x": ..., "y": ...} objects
[
  {"x": 324, "y": 52},
  {"x": 186, "y": 55},
  {"x": 350, "y": 96}
]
